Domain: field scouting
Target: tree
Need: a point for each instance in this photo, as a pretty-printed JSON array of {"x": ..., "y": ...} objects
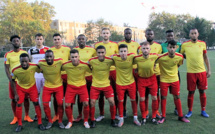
[
  {"x": 115, "y": 36},
  {"x": 160, "y": 22},
  {"x": 25, "y": 19}
]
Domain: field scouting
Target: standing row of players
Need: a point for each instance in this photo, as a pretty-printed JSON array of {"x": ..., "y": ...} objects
[{"x": 122, "y": 77}]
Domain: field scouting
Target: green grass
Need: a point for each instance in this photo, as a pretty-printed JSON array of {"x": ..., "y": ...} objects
[{"x": 172, "y": 125}]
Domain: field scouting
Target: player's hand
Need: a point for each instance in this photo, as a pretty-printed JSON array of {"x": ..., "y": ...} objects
[
  {"x": 16, "y": 97},
  {"x": 208, "y": 74}
]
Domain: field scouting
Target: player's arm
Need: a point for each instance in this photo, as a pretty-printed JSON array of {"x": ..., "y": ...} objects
[
  {"x": 13, "y": 85},
  {"x": 29, "y": 53},
  {"x": 7, "y": 70},
  {"x": 207, "y": 63}
]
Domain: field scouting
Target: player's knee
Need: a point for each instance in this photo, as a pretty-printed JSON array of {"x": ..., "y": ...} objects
[
  {"x": 68, "y": 104},
  {"x": 176, "y": 96},
  {"x": 85, "y": 103},
  {"x": 19, "y": 105},
  {"x": 163, "y": 97},
  {"x": 191, "y": 92},
  {"x": 92, "y": 103},
  {"x": 120, "y": 100},
  {"x": 36, "y": 103},
  {"x": 201, "y": 91},
  {"x": 142, "y": 98},
  {"x": 133, "y": 99},
  {"x": 111, "y": 102},
  {"x": 154, "y": 97}
]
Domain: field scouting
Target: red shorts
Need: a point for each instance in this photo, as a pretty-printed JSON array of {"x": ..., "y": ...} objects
[
  {"x": 11, "y": 94},
  {"x": 72, "y": 91},
  {"x": 95, "y": 91},
  {"x": 197, "y": 79},
  {"x": 58, "y": 92},
  {"x": 31, "y": 92},
  {"x": 174, "y": 87},
  {"x": 120, "y": 90},
  {"x": 149, "y": 83},
  {"x": 64, "y": 78}
]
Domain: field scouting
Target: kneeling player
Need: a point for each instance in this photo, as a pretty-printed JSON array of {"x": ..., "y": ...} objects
[
  {"x": 25, "y": 86},
  {"x": 101, "y": 83},
  {"x": 147, "y": 80},
  {"x": 169, "y": 63},
  {"x": 51, "y": 69},
  {"x": 76, "y": 71},
  {"x": 125, "y": 81}
]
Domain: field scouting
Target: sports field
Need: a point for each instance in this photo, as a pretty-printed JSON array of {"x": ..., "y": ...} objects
[{"x": 198, "y": 123}]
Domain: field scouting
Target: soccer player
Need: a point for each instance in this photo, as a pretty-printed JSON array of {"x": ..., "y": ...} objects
[
  {"x": 85, "y": 53},
  {"x": 51, "y": 68},
  {"x": 37, "y": 53},
  {"x": 101, "y": 83},
  {"x": 169, "y": 37},
  {"x": 76, "y": 70},
  {"x": 11, "y": 60},
  {"x": 125, "y": 81},
  {"x": 196, "y": 55},
  {"x": 133, "y": 47},
  {"x": 63, "y": 52},
  {"x": 147, "y": 80},
  {"x": 24, "y": 73},
  {"x": 169, "y": 63},
  {"x": 155, "y": 48},
  {"x": 111, "y": 49}
]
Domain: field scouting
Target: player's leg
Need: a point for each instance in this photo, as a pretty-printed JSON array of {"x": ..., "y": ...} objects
[
  {"x": 164, "y": 91},
  {"x": 46, "y": 97},
  {"x": 191, "y": 87},
  {"x": 59, "y": 97},
  {"x": 80, "y": 109},
  {"x": 89, "y": 83},
  {"x": 27, "y": 106},
  {"x": 13, "y": 105},
  {"x": 39, "y": 86},
  {"x": 158, "y": 115},
  {"x": 101, "y": 104},
  {"x": 132, "y": 94}
]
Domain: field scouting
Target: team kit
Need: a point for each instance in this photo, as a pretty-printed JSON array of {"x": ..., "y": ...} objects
[{"x": 108, "y": 70}]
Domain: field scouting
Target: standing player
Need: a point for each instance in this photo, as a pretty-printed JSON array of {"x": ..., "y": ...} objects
[
  {"x": 63, "y": 52},
  {"x": 147, "y": 80},
  {"x": 51, "y": 69},
  {"x": 11, "y": 60},
  {"x": 169, "y": 63},
  {"x": 133, "y": 47},
  {"x": 24, "y": 74},
  {"x": 196, "y": 55},
  {"x": 169, "y": 37},
  {"x": 125, "y": 81},
  {"x": 111, "y": 49},
  {"x": 38, "y": 53},
  {"x": 101, "y": 83},
  {"x": 85, "y": 53},
  {"x": 76, "y": 70},
  {"x": 155, "y": 48}
]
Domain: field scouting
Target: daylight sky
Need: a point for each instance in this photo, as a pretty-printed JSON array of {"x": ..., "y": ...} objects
[{"x": 133, "y": 12}]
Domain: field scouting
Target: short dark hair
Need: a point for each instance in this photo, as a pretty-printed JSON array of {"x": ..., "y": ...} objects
[
  {"x": 100, "y": 47},
  {"x": 81, "y": 35},
  {"x": 39, "y": 35},
  {"x": 105, "y": 28},
  {"x": 14, "y": 36},
  {"x": 172, "y": 42},
  {"x": 149, "y": 30},
  {"x": 169, "y": 31},
  {"x": 123, "y": 46},
  {"x": 193, "y": 29},
  {"x": 74, "y": 51},
  {"x": 127, "y": 29},
  {"x": 49, "y": 51},
  {"x": 144, "y": 43},
  {"x": 56, "y": 34},
  {"x": 24, "y": 55}
]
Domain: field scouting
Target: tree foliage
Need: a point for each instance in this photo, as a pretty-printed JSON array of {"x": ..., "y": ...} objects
[{"x": 24, "y": 19}]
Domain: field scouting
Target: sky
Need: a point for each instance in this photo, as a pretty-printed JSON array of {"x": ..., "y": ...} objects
[{"x": 134, "y": 12}]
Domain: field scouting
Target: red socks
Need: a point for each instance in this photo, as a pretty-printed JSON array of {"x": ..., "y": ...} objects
[
  {"x": 38, "y": 112},
  {"x": 68, "y": 111},
  {"x": 13, "y": 105},
  {"x": 163, "y": 107},
  {"x": 154, "y": 108},
  {"x": 86, "y": 113},
  {"x": 47, "y": 111},
  {"x": 178, "y": 106},
  {"x": 26, "y": 105},
  {"x": 134, "y": 107},
  {"x": 142, "y": 109},
  {"x": 203, "y": 100},
  {"x": 19, "y": 115},
  {"x": 92, "y": 113},
  {"x": 190, "y": 101},
  {"x": 113, "y": 112},
  {"x": 55, "y": 106},
  {"x": 60, "y": 112}
]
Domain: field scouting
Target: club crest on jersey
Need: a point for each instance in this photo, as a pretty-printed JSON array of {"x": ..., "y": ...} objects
[
  {"x": 132, "y": 45},
  {"x": 110, "y": 47},
  {"x": 62, "y": 51},
  {"x": 176, "y": 62}
]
